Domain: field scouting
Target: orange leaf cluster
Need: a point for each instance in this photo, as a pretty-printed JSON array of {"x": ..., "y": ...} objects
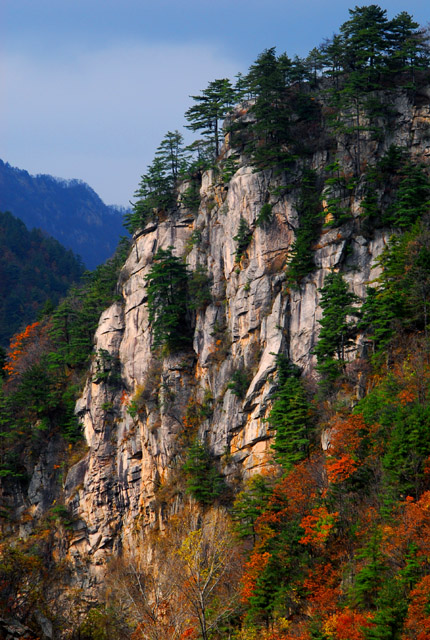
[
  {"x": 318, "y": 526},
  {"x": 294, "y": 494},
  {"x": 17, "y": 347},
  {"x": 253, "y": 569},
  {"x": 346, "y": 435},
  {"x": 406, "y": 395},
  {"x": 348, "y": 625},
  {"x": 188, "y": 633},
  {"x": 417, "y": 625},
  {"x": 322, "y": 584},
  {"x": 340, "y": 469}
]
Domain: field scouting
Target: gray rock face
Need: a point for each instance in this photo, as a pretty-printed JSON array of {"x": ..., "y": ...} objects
[{"x": 134, "y": 430}]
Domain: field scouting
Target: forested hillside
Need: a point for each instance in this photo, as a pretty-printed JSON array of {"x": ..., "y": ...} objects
[
  {"x": 69, "y": 210},
  {"x": 249, "y": 452},
  {"x": 35, "y": 272}
]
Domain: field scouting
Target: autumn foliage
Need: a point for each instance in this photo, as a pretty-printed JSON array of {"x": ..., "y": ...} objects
[
  {"x": 342, "y": 548},
  {"x": 18, "y": 346}
]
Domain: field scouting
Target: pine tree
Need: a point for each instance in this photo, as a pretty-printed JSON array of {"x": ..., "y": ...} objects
[
  {"x": 335, "y": 338},
  {"x": 155, "y": 193},
  {"x": 204, "y": 482},
  {"x": 249, "y": 504},
  {"x": 365, "y": 40},
  {"x": 212, "y": 106},
  {"x": 408, "y": 45},
  {"x": 301, "y": 256},
  {"x": 290, "y": 417},
  {"x": 172, "y": 154},
  {"x": 243, "y": 238},
  {"x": 412, "y": 197},
  {"x": 167, "y": 301},
  {"x": 266, "y": 80}
]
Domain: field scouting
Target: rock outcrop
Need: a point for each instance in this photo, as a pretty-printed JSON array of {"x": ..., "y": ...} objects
[
  {"x": 134, "y": 421},
  {"x": 253, "y": 317}
]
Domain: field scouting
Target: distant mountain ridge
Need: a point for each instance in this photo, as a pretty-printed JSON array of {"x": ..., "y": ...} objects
[{"x": 69, "y": 210}]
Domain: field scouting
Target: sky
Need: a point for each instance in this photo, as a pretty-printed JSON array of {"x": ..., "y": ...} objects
[{"x": 88, "y": 88}]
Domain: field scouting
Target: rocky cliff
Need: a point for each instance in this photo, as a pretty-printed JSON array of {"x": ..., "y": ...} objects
[{"x": 133, "y": 457}]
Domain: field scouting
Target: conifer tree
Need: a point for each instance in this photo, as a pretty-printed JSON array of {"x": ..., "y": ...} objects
[
  {"x": 204, "y": 482},
  {"x": 290, "y": 416},
  {"x": 167, "y": 298},
  {"x": 243, "y": 238},
  {"x": 266, "y": 80},
  {"x": 365, "y": 39},
  {"x": 337, "y": 329},
  {"x": 210, "y": 108},
  {"x": 172, "y": 154}
]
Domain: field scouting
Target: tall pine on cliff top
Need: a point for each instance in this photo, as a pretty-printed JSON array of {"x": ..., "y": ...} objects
[{"x": 211, "y": 107}]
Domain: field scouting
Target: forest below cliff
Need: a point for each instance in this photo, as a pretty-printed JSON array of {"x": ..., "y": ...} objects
[{"x": 326, "y": 536}]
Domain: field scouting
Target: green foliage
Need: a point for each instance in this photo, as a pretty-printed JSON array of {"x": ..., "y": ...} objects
[
  {"x": 407, "y": 449},
  {"x": 190, "y": 198},
  {"x": 271, "y": 128},
  {"x": 211, "y": 107},
  {"x": 243, "y": 238},
  {"x": 391, "y": 609},
  {"x": 249, "y": 504},
  {"x": 379, "y": 313},
  {"x": 75, "y": 319},
  {"x": 336, "y": 190},
  {"x": 108, "y": 368},
  {"x": 38, "y": 400},
  {"x": 265, "y": 216},
  {"x": 290, "y": 417},
  {"x": 337, "y": 329},
  {"x": 229, "y": 168},
  {"x": 61, "y": 512},
  {"x": 370, "y": 578},
  {"x": 401, "y": 295},
  {"x": 239, "y": 383},
  {"x": 172, "y": 155},
  {"x": 412, "y": 197},
  {"x": 103, "y": 623},
  {"x": 204, "y": 482},
  {"x": 199, "y": 289},
  {"x": 403, "y": 436},
  {"x": 167, "y": 284},
  {"x": 380, "y": 180},
  {"x": 34, "y": 269},
  {"x": 155, "y": 195},
  {"x": 301, "y": 256}
]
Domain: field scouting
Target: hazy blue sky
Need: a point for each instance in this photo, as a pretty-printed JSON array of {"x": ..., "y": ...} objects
[{"x": 90, "y": 87}]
